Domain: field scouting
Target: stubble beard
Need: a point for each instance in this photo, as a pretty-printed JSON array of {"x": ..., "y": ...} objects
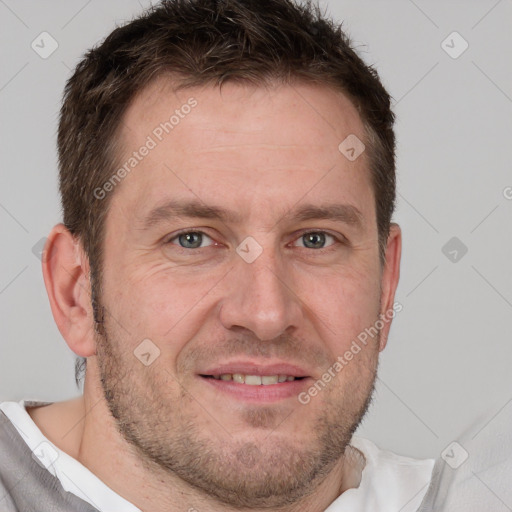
[{"x": 237, "y": 472}]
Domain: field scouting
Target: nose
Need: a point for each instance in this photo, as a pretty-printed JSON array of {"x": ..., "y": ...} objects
[{"x": 261, "y": 297}]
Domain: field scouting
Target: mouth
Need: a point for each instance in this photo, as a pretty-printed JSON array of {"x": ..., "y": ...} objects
[
  {"x": 253, "y": 380},
  {"x": 256, "y": 383}
]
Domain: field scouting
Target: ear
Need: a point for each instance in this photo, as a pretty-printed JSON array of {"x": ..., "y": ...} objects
[
  {"x": 389, "y": 280},
  {"x": 66, "y": 277}
]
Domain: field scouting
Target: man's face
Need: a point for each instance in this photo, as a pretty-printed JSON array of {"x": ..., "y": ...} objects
[{"x": 263, "y": 157}]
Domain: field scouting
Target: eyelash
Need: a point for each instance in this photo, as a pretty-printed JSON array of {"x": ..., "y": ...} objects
[{"x": 337, "y": 239}]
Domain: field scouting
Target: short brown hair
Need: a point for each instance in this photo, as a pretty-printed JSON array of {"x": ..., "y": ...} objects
[{"x": 208, "y": 42}]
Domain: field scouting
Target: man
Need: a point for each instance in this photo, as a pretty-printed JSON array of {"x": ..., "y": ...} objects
[{"x": 226, "y": 266}]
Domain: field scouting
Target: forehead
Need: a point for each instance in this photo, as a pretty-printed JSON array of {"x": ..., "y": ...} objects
[
  {"x": 239, "y": 143},
  {"x": 311, "y": 112}
]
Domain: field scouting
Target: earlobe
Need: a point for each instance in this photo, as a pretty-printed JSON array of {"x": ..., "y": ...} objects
[
  {"x": 389, "y": 280},
  {"x": 66, "y": 277}
]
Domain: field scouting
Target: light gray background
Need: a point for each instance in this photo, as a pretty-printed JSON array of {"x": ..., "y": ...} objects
[{"x": 448, "y": 359}]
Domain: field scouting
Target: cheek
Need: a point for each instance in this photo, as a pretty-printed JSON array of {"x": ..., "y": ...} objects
[
  {"x": 161, "y": 305},
  {"x": 344, "y": 302}
]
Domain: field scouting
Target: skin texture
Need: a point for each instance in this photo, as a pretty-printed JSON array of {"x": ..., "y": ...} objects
[{"x": 161, "y": 435}]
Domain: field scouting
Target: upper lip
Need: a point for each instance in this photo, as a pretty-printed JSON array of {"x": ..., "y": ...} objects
[{"x": 256, "y": 368}]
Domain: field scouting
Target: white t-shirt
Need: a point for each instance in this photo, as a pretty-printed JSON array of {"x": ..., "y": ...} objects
[{"x": 388, "y": 482}]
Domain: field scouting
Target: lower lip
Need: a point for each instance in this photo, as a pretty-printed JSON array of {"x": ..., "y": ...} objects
[{"x": 259, "y": 393}]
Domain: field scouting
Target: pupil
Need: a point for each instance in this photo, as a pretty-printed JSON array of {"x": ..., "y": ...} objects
[
  {"x": 187, "y": 240},
  {"x": 315, "y": 239}
]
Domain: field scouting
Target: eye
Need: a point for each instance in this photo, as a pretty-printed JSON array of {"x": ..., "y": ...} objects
[
  {"x": 316, "y": 239},
  {"x": 190, "y": 239}
]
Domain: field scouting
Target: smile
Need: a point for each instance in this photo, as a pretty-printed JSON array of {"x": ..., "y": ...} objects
[{"x": 254, "y": 380}]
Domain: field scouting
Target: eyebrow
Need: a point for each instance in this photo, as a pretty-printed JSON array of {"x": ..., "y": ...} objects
[{"x": 345, "y": 213}]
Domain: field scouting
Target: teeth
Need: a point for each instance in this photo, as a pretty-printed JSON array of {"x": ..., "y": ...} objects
[{"x": 254, "y": 380}]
